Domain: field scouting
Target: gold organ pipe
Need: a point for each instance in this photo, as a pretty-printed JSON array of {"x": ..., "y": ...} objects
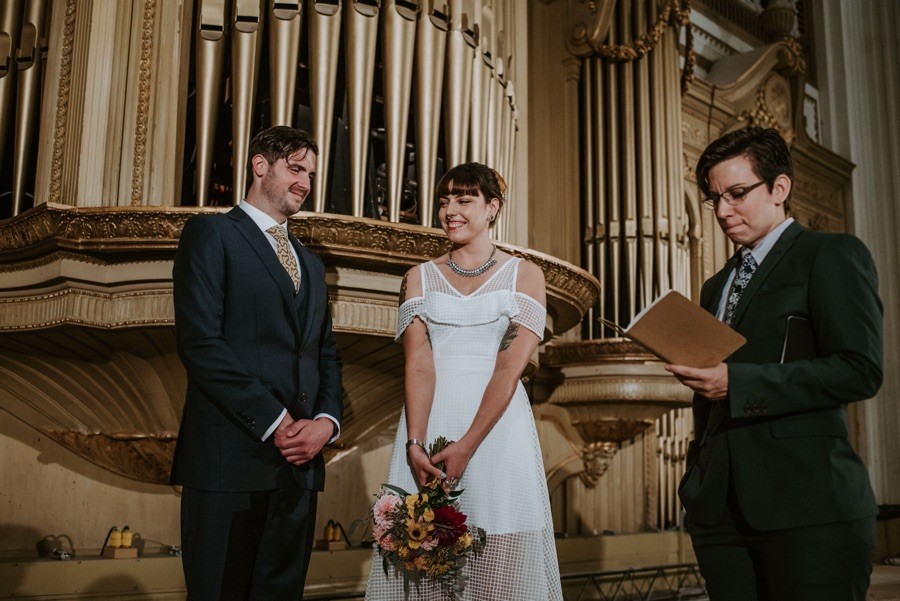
[
  {"x": 10, "y": 24},
  {"x": 598, "y": 167},
  {"x": 649, "y": 286},
  {"x": 461, "y": 42},
  {"x": 246, "y": 45},
  {"x": 285, "y": 26},
  {"x": 591, "y": 240},
  {"x": 324, "y": 47},
  {"x": 431, "y": 48},
  {"x": 494, "y": 111},
  {"x": 613, "y": 218},
  {"x": 489, "y": 82},
  {"x": 399, "y": 42},
  {"x": 625, "y": 146},
  {"x": 476, "y": 120},
  {"x": 676, "y": 174},
  {"x": 28, "y": 64},
  {"x": 362, "y": 33},
  {"x": 660, "y": 208},
  {"x": 210, "y": 51}
]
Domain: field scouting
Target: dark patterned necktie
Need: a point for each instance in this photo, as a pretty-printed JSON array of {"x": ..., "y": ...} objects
[
  {"x": 285, "y": 257},
  {"x": 741, "y": 279}
]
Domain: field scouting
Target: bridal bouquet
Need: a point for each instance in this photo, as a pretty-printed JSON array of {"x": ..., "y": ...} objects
[{"x": 424, "y": 535}]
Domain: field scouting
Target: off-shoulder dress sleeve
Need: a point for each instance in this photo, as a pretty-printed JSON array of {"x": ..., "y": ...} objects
[
  {"x": 408, "y": 311},
  {"x": 530, "y": 314}
]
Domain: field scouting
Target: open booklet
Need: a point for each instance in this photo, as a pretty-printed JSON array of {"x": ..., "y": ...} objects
[{"x": 681, "y": 332}]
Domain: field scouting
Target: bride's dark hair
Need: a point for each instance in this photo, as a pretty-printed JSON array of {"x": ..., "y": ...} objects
[{"x": 473, "y": 179}]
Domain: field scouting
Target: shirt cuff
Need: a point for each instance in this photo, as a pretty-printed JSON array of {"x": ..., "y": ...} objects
[
  {"x": 274, "y": 425},
  {"x": 337, "y": 426}
]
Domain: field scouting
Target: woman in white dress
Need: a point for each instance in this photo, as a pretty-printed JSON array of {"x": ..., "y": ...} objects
[{"x": 470, "y": 321}]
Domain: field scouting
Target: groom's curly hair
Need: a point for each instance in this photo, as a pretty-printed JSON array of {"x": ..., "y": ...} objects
[{"x": 278, "y": 142}]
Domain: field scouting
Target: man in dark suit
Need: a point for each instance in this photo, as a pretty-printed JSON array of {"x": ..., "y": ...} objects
[
  {"x": 779, "y": 506},
  {"x": 264, "y": 383}
]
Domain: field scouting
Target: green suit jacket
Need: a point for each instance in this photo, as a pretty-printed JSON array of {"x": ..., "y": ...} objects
[{"x": 781, "y": 435}]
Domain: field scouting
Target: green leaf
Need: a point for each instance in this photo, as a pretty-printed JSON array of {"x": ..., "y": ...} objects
[{"x": 396, "y": 489}]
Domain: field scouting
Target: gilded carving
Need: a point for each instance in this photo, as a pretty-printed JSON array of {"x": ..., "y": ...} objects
[
  {"x": 62, "y": 101},
  {"x": 143, "y": 104},
  {"x": 144, "y": 457},
  {"x": 772, "y": 108},
  {"x": 596, "y": 457}
]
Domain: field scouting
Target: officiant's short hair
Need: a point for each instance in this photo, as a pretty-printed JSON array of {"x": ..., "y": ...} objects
[{"x": 766, "y": 150}]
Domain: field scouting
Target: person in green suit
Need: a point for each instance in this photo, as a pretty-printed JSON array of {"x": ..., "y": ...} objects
[{"x": 778, "y": 504}]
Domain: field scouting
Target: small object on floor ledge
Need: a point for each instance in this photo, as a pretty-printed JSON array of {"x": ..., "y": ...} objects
[
  {"x": 120, "y": 552},
  {"x": 332, "y": 537}
]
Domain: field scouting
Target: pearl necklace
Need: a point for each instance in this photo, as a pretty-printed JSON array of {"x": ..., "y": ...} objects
[{"x": 472, "y": 273}]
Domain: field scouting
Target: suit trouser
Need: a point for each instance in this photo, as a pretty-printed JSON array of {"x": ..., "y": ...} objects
[
  {"x": 247, "y": 545},
  {"x": 827, "y": 562}
]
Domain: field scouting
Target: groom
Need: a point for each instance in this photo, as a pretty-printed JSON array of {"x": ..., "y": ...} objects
[{"x": 264, "y": 383}]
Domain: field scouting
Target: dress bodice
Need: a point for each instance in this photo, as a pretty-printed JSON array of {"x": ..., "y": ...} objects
[{"x": 471, "y": 326}]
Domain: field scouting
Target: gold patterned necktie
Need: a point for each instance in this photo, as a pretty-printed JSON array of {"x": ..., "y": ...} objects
[{"x": 285, "y": 256}]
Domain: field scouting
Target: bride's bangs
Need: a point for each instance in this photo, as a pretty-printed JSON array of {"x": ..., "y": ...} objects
[{"x": 458, "y": 184}]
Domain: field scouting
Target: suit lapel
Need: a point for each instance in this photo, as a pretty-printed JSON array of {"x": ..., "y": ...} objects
[
  {"x": 302, "y": 301},
  {"x": 711, "y": 304},
  {"x": 779, "y": 250},
  {"x": 260, "y": 245}
]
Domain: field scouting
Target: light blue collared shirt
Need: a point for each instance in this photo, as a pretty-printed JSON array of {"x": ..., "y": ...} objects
[
  {"x": 759, "y": 253},
  {"x": 264, "y": 222}
]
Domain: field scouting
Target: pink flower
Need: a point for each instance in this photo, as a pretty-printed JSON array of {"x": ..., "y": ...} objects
[
  {"x": 429, "y": 543},
  {"x": 384, "y": 505}
]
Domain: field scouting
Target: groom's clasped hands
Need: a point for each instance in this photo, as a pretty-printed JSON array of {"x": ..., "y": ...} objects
[{"x": 301, "y": 440}]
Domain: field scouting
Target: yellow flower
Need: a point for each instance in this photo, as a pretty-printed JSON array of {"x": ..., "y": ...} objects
[
  {"x": 421, "y": 562},
  {"x": 466, "y": 540},
  {"x": 411, "y": 501},
  {"x": 403, "y": 552},
  {"x": 416, "y": 531},
  {"x": 424, "y": 498},
  {"x": 428, "y": 514}
]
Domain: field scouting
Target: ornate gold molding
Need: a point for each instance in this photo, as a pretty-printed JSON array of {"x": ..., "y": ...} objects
[
  {"x": 144, "y": 457},
  {"x": 143, "y": 105},
  {"x": 62, "y": 101},
  {"x": 126, "y": 234}
]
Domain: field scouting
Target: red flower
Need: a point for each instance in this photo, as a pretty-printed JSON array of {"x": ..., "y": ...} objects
[{"x": 449, "y": 525}]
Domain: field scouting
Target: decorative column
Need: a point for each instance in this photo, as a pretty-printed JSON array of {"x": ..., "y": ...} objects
[{"x": 104, "y": 123}]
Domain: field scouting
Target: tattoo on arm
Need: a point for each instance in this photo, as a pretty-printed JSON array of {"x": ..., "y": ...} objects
[
  {"x": 511, "y": 332},
  {"x": 403, "y": 289}
]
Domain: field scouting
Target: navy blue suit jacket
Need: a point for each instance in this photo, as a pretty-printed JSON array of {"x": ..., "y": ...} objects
[{"x": 251, "y": 348}]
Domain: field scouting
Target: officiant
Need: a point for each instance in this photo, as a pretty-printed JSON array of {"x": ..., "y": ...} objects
[{"x": 779, "y": 506}]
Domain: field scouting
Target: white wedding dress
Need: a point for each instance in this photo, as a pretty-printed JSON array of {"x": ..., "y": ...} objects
[{"x": 504, "y": 483}]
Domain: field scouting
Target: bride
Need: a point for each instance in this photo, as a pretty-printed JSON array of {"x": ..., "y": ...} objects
[{"x": 469, "y": 322}]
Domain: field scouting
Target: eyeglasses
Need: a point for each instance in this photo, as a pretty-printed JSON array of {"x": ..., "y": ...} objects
[{"x": 733, "y": 197}]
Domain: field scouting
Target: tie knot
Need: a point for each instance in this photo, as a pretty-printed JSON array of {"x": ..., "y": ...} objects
[
  {"x": 748, "y": 263},
  {"x": 277, "y": 231}
]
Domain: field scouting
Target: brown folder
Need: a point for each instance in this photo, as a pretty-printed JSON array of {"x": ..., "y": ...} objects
[{"x": 681, "y": 332}]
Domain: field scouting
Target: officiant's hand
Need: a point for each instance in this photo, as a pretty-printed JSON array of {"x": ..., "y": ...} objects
[
  {"x": 456, "y": 458},
  {"x": 421, "y": 465},
  {"x": 709, "y": 382},
  {"x": 299, "y": 441}
]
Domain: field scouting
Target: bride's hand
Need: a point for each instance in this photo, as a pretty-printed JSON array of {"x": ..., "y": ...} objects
[
  {"x": 456, "y": 458},
  {"x": 422, "y": 468}
]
